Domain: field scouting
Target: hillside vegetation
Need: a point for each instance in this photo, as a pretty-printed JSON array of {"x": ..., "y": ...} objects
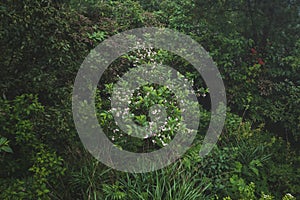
[{"x": 256, "y": 47}]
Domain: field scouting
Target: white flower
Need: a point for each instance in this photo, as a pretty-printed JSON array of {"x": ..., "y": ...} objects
[
  {"x": 163, "y": 143},
  {"x": 289, "y": 195}
]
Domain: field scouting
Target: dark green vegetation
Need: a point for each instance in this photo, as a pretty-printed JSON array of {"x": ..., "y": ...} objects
[{"x": 256, "y": 46}]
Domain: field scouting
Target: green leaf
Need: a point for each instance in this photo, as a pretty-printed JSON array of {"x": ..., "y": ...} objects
[{"x": 6, "y": 149}]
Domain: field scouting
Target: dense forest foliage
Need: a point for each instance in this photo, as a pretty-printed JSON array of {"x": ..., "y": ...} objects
[{"x": 256, "y": 47}]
